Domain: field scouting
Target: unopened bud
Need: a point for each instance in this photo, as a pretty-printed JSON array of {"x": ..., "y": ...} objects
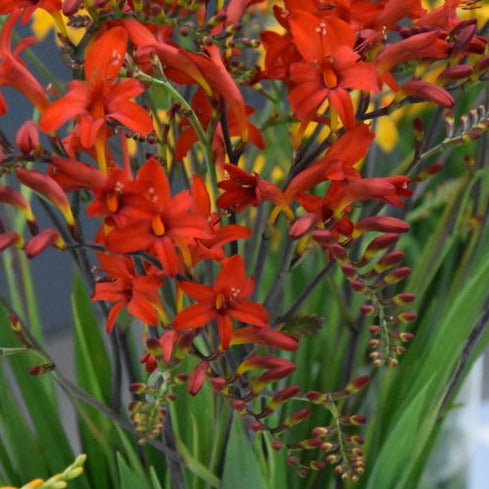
[
  {"x": 320, "y": 431},
  {"x": 403, "y": 298},
  {"x": 383, "y": 224},
  {"x": 397, "y": 275},
  {"x": 456, "y": 72},
  {"x": 406, "y": 337},
  {"x": 368, "y": 309},
  {"x": 349, "y": 271},
  {"x": 374, "y": 329},
  {"x": 357, "y": 420},
  {"x": 317, "y": 465},
  {"x": 292, "y": 460},
  {"x": 297, "y": 417},
  {"x": 276, "y": 445},
  {"x": 42, "y": 369},
  {"x": 407, "y": 317},
  {"x": 358, "y": 383}
]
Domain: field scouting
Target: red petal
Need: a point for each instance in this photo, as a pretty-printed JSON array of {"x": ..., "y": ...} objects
[
  {"x": 250, "y": 313},
  {"x": 198, "y": 292},
  {"x": 194, "y": 316},
  {"x": 106, "y": 55}
]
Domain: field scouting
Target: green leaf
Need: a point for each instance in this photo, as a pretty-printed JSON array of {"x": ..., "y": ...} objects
[
  {"x": 241, "y": 468},
  {"x": 154, "y": 478},
  {"x": 93, "y": 363},
  {"x": 403, "y": 444},
  {"x": 128, "y": 477},
  {"x": 37, "y": 396},
  {"x": 196, "y": 467},
  {"x": 93, "y": 373}
]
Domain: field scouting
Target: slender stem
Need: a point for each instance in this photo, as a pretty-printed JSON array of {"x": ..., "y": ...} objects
[
  {"x": 12, "y": 351},
  {"x": 276, "y": 290},
  {"x": 175, "y": 466},
  {"x": 305, "y": 294},
  {"x": 194, "y": 121}
]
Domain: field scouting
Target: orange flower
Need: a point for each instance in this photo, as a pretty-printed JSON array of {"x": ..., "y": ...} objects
[
  {"x": 13, "y": 71},
  {"x": 102, "y": 96},
  {"x": 226, "y": 300},
  {"x": 139, "y": 293}
]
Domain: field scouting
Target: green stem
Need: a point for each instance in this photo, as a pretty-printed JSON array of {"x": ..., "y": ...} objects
[
  {"x": 12, "y": 351},
  {"x": 194, "y": 120}
]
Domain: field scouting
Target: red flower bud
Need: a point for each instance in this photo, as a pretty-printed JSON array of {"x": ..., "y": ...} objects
[
  {"x": 358, "y": 383},
  {"x": 11, "y": 196},
  {"x": 11, "y": 238},
  {"x": 49, "y": 188},
  {"x": 41, "y": 241},
  {"x": 197, "y": 377},
  {"x": 397, "y": 275},
  {"x": 27, "y": 137},
  {"x": 42, "y": 369},
  {"x": 303, "y": 225},
  {"x": 456, "y": 72},
  {"x": 429, "y": 91}
]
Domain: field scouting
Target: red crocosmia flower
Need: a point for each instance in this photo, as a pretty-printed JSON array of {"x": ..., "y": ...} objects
[
  {"x": 330, "y": 68},
  {"x": 389, "y": 190},
  {"x": 102, "y": 96},
  {"x": 13, "y": 72},
  {"x": 216, "y": 74},
  {"x": 338, "y": 162},
  {"x": 280, "y": 54},
  {"x": 243, "y": 189},
  {"x": 426, "y": 45},
  {"x": 138, "y": 293},
  {"x": 176, "y": 60},
  {"x": 119, "y": 199},
  {"x": 168, "y": 221},
  {"x": 212, "y": 247},
  {"x": 225, "y": 301},
  {"x": 29, "y": 7}
]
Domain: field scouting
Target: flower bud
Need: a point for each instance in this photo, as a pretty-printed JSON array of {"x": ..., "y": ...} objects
[
  {"x": 42, "y": 369},
  {"x": 48, "y": 188},
  {"x": 358, "y": 383},
  {"x": 11, "y": 238},
  {"x": 43, "y": 240},
  {"x": 27, "y": 138},
  {"x": 383, "y": 224}
]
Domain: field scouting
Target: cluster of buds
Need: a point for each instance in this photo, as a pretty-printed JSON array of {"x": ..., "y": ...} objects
[
  {"x": 376, "y": 269},
  {"x": 148, "y": 412}
]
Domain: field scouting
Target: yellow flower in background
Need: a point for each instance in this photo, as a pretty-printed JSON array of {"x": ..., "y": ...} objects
[{"x": 43, "y": 23}]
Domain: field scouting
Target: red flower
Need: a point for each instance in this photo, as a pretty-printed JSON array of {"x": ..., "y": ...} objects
[
  {"x": 224, "y": 301},
  {"x": 13, "y": 71},
  {"x": 338, "y": 162},
  {"x": 101, "y": 96},
  {"x": 330, "y": 69},
  {"x": 243, "y": 189},
  {"x": 139, "y": 293},
  {"x": 163, "y": 222}
]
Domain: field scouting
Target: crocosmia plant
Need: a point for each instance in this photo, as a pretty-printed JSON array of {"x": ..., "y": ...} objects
[{"x": 276, "y": 213}]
